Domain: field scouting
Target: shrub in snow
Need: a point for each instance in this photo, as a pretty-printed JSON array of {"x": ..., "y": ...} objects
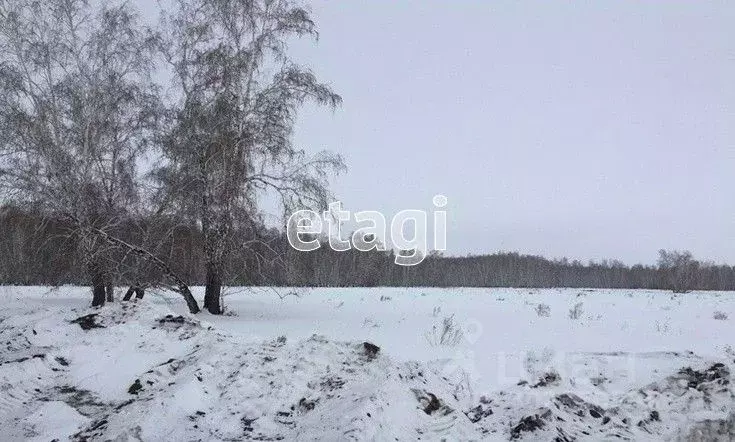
[
  {"x": 720, "y": 316},
  {"x": 538, "y": 363},
  {"x": 447, "y": 333},
  {"x": 369, "y": 322},
  {"x": 576, "y": 312},
  {"x": 543, "y": 310}
]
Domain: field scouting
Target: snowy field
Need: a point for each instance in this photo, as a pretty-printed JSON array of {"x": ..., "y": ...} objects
[{"x": 450, "y": 364}]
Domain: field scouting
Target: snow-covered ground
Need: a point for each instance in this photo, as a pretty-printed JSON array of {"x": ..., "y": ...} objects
[{"x": 286, "y": 364}]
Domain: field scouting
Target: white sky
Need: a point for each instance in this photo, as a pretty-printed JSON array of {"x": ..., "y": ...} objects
[{"x": 582, "y": 129}]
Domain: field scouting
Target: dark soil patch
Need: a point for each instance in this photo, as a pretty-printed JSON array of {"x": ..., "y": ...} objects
[
  {"x": 332, "y": 383},
  {"x": 88, "y": 322},
  {"x": 478, "y": 413},
  {"x": 652, "y": 417},
  {"x": 371, "y": 350},
  {"x": 307, "y": 405},
  {"x": 433, "y": 404},
  {"x": 528, "y": 424},
  {"x": 23, "y": 359},
  {"x": 171, "y": 319},
  {"x": 695, "y": 378},
  {"x": 84, "y": 401},
  {"x": 247, "y": 424},
  {"x": 547, "y": 379},
  {"x": 136, "y": 387}
]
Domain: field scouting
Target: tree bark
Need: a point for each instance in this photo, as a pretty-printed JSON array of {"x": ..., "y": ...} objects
[
  {"x": 136, "y": 290},
  {"x": 110, "y": 292},
  {"x": 213, "y": 290},
  {"x": 189, "y": 298},
  {"x": 129, "y": 293},
  {"x": 98, "y": 284}
]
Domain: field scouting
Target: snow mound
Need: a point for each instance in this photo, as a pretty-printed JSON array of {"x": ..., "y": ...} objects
[
  {"x": 688, "y": 405},
  {"x": 137, "y": 371}
]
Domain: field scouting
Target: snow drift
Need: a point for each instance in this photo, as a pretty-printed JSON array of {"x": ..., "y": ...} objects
[{"x": 140, "y": 371}]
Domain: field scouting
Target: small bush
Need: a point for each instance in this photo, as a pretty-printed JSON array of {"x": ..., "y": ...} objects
[
  {"x": 576, "y": 312},
  {"x": 447, "y": 333},
  {"x": 720, "y": 316},
  {"x": 543, "y": 310}
]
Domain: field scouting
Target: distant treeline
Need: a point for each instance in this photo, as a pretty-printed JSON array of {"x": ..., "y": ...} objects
[{"x": 36, "y": 251}]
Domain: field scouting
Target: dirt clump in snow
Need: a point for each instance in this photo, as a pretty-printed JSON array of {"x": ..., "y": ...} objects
[
  {"x": 529, "y": 424},
  {"x": 547, "y": 379},
  {"x": 718, "y": 373},
  {"x": 88, "y": 322},
  {"x": 135, "y": 387},
  {"x": 371, "y": 350}
]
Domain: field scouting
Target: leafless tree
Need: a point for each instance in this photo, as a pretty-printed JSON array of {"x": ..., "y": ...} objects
[
  {"x": 680, "y": 269},
  {"x": 77, "y": 110},
  {"x": 237, "y": 93}
]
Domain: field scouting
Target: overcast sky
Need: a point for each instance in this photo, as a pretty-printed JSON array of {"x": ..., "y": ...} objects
[{"x": 582, "y": 129}]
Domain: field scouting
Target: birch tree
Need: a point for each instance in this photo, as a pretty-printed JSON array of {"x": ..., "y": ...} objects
[
  {"x": 77, "y": 110},
  {"x": 238, "y": 93}
]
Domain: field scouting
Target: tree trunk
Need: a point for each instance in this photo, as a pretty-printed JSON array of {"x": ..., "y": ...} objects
[
  {"x": 139, "y": 292},
  {"x": 213, "y": 290},
  {"x": 189, "y": 298},
  {"x": 110, "y": 292},
  {"x": 98, "y": 284},
  {"x": 182, "y": 288},
  {"x": 129, "y": 293}
]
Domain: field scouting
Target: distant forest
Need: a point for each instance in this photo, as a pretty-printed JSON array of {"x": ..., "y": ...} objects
[
  {"x": 39, "y": 251},
  {"x": 138, "y": 154}
]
